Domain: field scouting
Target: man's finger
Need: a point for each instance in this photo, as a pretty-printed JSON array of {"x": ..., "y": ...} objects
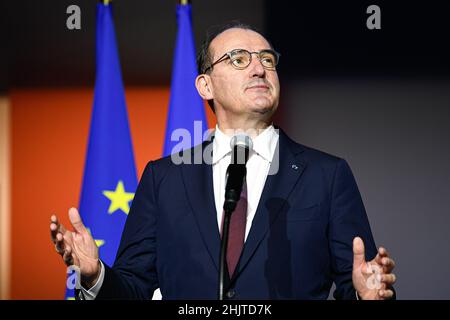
[
  {"x": 55, "y": 227},
  {"x": 59, "y": 244},
  {"x": 382, "y": 252},
  {"x": 76, "y": 221},
  {"x": 58, "y": 249},
  {"x": 388, "y": 279},
  {"x": 358, "y": 252},
  {"x": 68, "y": 260},
  {"x": 386, "y": 294},
  {"x": 53, "y": 231},
  {"x": 68, "y": 238},
  {"x": 388, "y": 264}
]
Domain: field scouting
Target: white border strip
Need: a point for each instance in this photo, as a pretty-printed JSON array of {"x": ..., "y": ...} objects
[{"x": 5, "y": 184}]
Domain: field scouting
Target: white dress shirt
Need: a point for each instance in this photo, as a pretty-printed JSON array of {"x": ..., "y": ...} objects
[{"x": 258, "y": 165}]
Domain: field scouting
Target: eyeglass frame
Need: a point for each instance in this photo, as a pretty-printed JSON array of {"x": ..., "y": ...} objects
[{"x": 227, "y": 55}]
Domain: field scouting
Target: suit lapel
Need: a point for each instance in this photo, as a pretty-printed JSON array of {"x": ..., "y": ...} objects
[
  {"x": 198, "y": 183},
  {"x": 276, "y": 190}
]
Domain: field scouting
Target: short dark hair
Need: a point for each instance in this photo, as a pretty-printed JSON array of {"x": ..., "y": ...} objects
[{"x": 204, "y": 57}]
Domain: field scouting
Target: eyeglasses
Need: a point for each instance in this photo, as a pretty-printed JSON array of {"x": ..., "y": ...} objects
[{"x": 241, "y": 59}]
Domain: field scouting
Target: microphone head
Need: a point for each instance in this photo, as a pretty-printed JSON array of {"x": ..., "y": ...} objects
[{"x": 241, "y": 145}]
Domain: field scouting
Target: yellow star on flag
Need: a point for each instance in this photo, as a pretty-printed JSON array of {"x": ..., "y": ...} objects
[{"x": 119, "y": 198}]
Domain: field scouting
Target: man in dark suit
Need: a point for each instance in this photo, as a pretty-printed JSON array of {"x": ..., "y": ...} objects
[{"x": 300, "y": 225}]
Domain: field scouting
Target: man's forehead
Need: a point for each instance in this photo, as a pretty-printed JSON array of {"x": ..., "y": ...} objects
[{"x": 236, "y": 38}]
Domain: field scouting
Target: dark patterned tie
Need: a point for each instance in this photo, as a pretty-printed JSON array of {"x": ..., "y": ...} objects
[{"x": 236, "y": 231}]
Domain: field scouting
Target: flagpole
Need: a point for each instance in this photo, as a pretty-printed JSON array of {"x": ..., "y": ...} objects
[
  {"x": 105, "y": 2},
  {"x": 184, "y": 2}
]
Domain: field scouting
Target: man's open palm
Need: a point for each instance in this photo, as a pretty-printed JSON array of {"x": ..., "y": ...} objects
[{"x": 76, "y": 247}]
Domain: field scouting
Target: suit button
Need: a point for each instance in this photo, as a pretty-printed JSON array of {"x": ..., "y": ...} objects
[{"x": 231, "y": 293}]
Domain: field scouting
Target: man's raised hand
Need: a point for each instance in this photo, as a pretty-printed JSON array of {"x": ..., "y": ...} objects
[
  {"x": 76, "y": 247},
  {"x": 372, "y": 279}
]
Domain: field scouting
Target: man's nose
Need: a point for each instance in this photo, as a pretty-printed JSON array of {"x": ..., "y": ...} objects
[{"x": 256, "y": 68}]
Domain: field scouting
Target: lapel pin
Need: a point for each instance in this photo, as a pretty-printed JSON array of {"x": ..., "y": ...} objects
[{"x": 295, "y": 167}]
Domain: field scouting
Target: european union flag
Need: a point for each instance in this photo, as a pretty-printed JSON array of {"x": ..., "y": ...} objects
[
  {"x": 110, "y": 178},
  {"x": 186, "y": 106}
]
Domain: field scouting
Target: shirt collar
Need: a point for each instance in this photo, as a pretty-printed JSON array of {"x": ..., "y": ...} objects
[
  {"x": 221, "y": 145},
  {"x": 264, "y": 144}
]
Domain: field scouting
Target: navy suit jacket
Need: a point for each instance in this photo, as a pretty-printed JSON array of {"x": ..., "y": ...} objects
[{"x": 300, "y": 240}]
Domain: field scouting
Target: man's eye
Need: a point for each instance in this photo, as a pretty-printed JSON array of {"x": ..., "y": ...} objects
[
  {"x": 239, "y": 62},
  {"x": 268, "y": 61}
]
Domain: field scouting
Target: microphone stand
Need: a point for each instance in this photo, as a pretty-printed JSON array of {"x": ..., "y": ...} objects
[
  {"x": 223, "y": 252},
  {"x": 236, "y": 173},
  {"x": 235, "y": 180}
]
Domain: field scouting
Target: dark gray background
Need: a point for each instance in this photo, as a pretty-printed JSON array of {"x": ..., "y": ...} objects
[
  {"x": 380, "y": 99},
  {"x": 395, "y": 135}
]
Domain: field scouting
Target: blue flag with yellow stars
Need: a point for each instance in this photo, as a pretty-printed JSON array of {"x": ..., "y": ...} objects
[
  {"x": 110, "y": 178},
  {"x": 186, "y": 108}
]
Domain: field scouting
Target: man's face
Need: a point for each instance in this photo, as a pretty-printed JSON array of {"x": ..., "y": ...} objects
[{"x": 253, "y": 91}]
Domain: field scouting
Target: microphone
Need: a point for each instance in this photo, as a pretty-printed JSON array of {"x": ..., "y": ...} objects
[{"x": 241, "y": 145}]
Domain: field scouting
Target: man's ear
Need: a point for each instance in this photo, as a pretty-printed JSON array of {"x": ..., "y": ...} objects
[{"x": 202, "y": 83}]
